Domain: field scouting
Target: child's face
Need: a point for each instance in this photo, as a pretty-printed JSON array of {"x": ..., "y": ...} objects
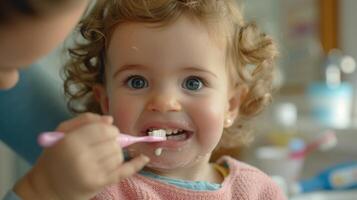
[{"x": 171, "y": 78}]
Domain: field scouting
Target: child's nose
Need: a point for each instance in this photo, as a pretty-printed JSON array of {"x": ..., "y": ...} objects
[{"x": 164, "y": 102}]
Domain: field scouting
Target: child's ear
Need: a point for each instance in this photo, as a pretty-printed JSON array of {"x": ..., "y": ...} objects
[
  {"x": 100, "y": 94},
  {"x": 236, "y": 96}
]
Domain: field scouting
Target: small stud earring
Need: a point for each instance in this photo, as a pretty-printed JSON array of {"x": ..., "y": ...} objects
[{"x": 228, "y": 122}]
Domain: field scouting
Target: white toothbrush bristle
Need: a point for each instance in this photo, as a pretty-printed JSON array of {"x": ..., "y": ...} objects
[{"x": 158, "y": 133}]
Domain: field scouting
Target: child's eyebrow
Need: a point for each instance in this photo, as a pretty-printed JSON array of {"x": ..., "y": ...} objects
[
  {"x": 128, "y": 67},
  {"x": 199, "y": 69},
  {"x": 141, "y": 67}
]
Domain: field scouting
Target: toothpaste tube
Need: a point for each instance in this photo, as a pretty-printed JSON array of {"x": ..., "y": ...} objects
[{"x": 340, "y": 177}]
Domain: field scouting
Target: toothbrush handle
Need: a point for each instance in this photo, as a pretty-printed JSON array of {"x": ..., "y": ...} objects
[
  {"x": 126, "y": 140},
  {"x": 48, "y": 139}
]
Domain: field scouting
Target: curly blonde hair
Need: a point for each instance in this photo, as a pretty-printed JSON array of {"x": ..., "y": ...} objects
[{"x": 250, "y": 53}]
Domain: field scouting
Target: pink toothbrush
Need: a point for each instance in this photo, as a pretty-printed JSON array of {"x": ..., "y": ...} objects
[
  {"x": 323, "y": 142},
  {"x": 48, "y": 139}
]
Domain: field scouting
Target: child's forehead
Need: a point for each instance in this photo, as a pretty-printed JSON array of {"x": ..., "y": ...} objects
[
  {"x": 190, "y": 33},
  {"x": 177, "y": 45},
  {"x": 184, "y": 27}
]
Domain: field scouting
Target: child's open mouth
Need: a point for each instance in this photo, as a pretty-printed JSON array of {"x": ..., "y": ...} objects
[{"x": 173, "y": 134}]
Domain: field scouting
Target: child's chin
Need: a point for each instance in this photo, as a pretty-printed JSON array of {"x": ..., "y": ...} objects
[
  {"x": 167, "y": 162},
  {"x": 168, "y": 159},
  {"x": 165, "y": 166}
]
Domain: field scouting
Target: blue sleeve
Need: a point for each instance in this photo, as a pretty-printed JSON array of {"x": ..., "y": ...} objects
[
  {"x": 11, "y": 196},
  {"x": 36, "y": 104}
]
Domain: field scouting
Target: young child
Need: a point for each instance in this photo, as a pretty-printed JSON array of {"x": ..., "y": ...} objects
[{"x": 193, "y": 68}]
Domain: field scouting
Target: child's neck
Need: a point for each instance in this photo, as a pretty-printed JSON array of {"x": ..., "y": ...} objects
[{"x": 201, "y": 171}]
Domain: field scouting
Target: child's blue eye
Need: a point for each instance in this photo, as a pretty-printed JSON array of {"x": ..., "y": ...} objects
[
  {"x": 192, "y": 83},
  {"x": 137, "y": 82}
]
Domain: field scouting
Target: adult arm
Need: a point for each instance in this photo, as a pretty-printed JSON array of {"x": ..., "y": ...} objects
[{"x": 35, "y": 105}]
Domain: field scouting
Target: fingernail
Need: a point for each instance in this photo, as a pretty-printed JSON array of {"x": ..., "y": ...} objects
[
  {"x": 146, "y": 159},
  {"x": 108, "y": 118}
]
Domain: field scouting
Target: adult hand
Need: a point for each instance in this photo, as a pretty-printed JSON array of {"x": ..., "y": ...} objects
[{"x": 81, "y": 164}]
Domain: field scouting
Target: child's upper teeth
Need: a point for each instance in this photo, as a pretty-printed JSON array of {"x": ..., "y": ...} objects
[
  {"x": 158, "y": 133},
  {"x": 173, "y": 131},
  {"x": 168, "y": 131}
]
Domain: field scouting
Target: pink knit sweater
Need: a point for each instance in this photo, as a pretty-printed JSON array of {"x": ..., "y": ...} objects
[{"x": 244, "y": 182}]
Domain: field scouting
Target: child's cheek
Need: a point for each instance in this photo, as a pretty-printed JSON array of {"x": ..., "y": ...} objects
[
  {"x": 123, "y": 116},
  {"x": 209, "y": 121}
]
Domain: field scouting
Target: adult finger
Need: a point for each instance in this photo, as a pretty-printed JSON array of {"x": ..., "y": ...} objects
[
  {"x": 131, "y": 167},
  {"x": 83, "y": 119},
  {"x": 108, "y": 150},
  {"x": 94, "y": 133},
  {"x": 112, "y": 163}
]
